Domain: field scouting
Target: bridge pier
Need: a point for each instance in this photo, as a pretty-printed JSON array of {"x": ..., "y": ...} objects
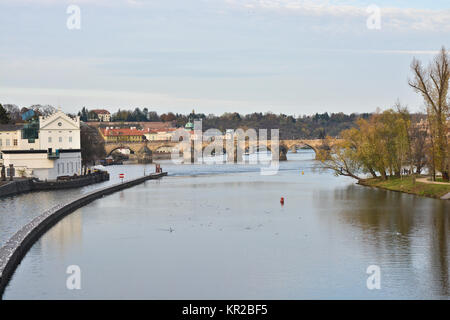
[
  {"x": 191, "y": 156},
  {"x": 234, "y": 156},
  {"x": 144, "y": 155},
  {"x": 281, "y": 155}
]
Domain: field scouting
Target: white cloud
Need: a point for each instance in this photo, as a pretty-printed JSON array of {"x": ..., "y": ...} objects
[
  {"x": 406, "y": 52},
  {"x": 392, "y": 17}
]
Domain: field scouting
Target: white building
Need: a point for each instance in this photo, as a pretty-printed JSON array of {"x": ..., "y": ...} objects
[
  {"x": 54, "y": 150},
  {"x": 160, "y": 134},
  {"x": 102, "y": 114}
]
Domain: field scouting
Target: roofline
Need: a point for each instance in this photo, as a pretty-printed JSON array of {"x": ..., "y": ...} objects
[{"x": 39, "y": 151}]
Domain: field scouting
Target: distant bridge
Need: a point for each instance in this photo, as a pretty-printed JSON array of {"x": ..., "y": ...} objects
[{"x": 190, "y": 149}]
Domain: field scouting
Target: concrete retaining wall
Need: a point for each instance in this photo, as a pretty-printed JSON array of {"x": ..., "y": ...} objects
[
  {"x": 17, "y": 187},
  {"x": 17, "y": 246}
]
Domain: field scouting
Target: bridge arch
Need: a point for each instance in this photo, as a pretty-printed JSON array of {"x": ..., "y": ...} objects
[
  {"x": 163, "y": 148},
  {"x": 301, "y": 145},
  {"x": 213, "y": 151},
  {"x": 134, "y": 148}
]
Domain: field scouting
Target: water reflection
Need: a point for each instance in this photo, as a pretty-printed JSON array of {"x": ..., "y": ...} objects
[
  {"x": 393, "y": 223},
  {"x": 66, "y": 238}
]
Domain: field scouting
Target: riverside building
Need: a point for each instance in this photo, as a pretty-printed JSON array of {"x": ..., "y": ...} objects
[{"x": 45, "y": 147}]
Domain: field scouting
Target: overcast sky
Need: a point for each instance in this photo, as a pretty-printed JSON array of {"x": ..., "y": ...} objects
[{"x": 214, "y": 56}]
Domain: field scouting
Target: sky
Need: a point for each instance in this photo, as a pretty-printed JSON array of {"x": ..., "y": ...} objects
[{"x": 214, "y": 56}]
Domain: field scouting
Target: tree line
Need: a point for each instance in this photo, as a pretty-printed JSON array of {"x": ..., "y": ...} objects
[
  {"x": 394, "y": 142},
  {"x": 10, "y": 113},
  {"x": 316, "y": 126}
]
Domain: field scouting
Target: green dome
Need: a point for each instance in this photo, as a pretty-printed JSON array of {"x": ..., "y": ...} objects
[{"x": 189, "y": 126}]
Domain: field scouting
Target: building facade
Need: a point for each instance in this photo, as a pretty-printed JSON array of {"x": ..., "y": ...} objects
[
  {"x": 160, "y": 135},
  {"x": 122, "y": 135},
  {"x": 102, "y": 114},
  {"x": 46, "y": 149}
]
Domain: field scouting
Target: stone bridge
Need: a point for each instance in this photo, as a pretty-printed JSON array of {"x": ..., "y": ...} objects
[{"x": 189, "y": 149}]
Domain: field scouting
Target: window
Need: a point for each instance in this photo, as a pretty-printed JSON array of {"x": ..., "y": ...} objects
[
  {"x": 15, "y": 142},
  {"x": 1, "y": 142},
  {"x": 60, "y": 139},
  {"x": 49, "y": 139},
  {"x": 7, "y": 142},
  {"x": 70, "y": 139}
]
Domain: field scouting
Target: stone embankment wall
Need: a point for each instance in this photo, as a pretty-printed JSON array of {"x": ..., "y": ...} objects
[{"x": 20, "y": 186}]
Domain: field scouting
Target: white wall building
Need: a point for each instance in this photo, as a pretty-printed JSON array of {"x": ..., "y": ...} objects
[
  {"x": 102, "y": 114},
  {"x": 59, "y": 131},
  {"x": 56, "y": 151}
]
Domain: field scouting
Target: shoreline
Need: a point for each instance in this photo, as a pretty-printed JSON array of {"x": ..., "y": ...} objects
[
  {"x": 431, "y": 190},
  {"x": 17, "y": 187}
]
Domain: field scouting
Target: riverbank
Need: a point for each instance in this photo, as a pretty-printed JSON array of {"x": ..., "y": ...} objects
[
  {"x": 18, "y": 245},
  {"x": 13, "y": 188},
  {"x": 406, "y": 185}
]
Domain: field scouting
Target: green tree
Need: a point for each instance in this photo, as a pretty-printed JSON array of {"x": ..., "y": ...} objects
[
  {"x": 341, "y": 158},
  {"x": 380, "y": 145}
]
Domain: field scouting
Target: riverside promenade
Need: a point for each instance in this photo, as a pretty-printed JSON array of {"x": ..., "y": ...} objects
[{"x": 17, "y": 246}]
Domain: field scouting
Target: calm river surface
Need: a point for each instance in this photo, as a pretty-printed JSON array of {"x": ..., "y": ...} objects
[{"x": 220, "y": 232}]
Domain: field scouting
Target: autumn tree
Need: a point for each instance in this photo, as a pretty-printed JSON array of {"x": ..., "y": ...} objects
[
  {"x": 341, "y": 158},
  {"x": 380, "y": 145}
]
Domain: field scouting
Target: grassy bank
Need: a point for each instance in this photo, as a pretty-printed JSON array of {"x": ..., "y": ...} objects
[{"x": 406, "y": 185}]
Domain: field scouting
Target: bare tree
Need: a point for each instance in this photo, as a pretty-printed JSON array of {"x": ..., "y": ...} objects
[
  {"x": 432, "y": 83},
  {"x": 14, "y": 112},
  {"x": 92, "y": 145},
  {"x": 419, "y": 147}
]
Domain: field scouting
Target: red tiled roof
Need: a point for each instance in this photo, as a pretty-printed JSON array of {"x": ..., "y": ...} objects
[
  {"x": 101, "y": 111},
  {"x": 161, "y": 130}
]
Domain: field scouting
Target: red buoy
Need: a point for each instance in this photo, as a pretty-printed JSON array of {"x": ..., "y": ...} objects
[{"x": 282, "y": 200}]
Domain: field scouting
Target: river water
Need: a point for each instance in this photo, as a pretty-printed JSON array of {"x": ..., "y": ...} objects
[{"x": 220, "y": 232}]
